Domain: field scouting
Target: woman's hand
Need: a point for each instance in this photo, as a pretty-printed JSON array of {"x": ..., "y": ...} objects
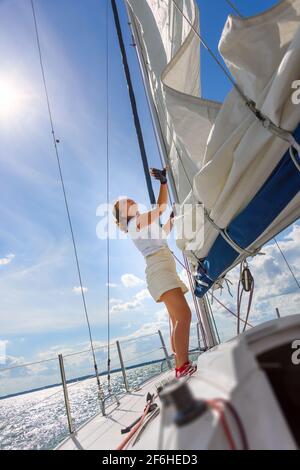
[
  {"x": 144, "y": 220},
  {"x": 160, "y": 175}
]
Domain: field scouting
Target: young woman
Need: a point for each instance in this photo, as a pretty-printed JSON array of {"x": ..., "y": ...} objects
[{"x": 163, "y": 281}]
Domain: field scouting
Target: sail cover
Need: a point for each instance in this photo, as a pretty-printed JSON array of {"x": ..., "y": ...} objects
[{"x": 225, "y": 162}]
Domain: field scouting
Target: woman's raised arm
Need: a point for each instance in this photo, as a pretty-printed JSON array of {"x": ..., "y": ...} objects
[{"x": 144, "y": 220}]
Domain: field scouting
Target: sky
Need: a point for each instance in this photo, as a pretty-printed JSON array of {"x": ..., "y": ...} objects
[{"x": 41, "y": 312}]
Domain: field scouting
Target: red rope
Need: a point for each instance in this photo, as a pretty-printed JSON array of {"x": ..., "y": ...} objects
[
  {"x": 219, "y": 405},
  {"x": 215, "y": 405},
  {"x": 134, "y": 429},
  {"x": 238, "y": 421}
]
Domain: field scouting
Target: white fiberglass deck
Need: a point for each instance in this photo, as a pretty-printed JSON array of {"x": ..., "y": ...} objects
[
  {"x": 232, "y": 372},
  {"x": 105, "y": 432}
]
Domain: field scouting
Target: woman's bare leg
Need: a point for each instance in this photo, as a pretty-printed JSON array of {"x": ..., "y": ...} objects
[{"x": 181, "y": 314}]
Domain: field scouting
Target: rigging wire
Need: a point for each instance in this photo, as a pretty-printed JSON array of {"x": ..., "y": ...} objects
[
  {"x": 55, "y": 143},
  {"x": 108, "y": 199},
  {"x": 287, "y": 263},
  {"x": 235, "y": 8}
]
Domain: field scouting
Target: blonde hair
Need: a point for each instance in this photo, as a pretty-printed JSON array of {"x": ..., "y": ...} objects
[{"x": 122, "y": 222}]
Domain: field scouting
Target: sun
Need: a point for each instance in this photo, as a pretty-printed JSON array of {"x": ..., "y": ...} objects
[{"x": 11, "y": 98}]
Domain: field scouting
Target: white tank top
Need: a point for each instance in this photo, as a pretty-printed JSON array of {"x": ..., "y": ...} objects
[{"x": 150, "y": 239}]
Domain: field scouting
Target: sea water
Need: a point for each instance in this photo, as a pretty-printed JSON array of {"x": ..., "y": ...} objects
[{"x": 38, "y": 420}]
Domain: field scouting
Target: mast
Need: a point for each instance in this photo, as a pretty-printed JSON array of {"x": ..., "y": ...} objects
[
  {"x": 154, "y": 116},
  {"x": 137, "y": 123},
  {"x": 200, "y": 304}
]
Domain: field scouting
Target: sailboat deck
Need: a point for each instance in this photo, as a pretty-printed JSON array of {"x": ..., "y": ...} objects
[
  {"x": 232, "y": 372},
  {"x": 104, "y": 432}
]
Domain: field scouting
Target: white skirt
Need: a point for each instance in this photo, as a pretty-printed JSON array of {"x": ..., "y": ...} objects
[{"x": 161, "y": 274}]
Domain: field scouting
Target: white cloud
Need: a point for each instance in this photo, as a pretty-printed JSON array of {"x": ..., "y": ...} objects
[
  {"x": 77, "y": 290},
  {"x": 125, "y": 306},
  {"x": 137, "y": 302},
  {"x": 142, "y": 295},
  {"x": 111, "y": 285},
  {"x": 274, "y": 285},
  {"x": 115, "y": 301},
  {"x": 130, "y": 280},
  {"x": 6, "y": 260}
]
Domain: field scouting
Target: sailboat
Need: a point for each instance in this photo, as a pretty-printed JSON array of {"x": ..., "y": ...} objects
[{"x": 234, "y": 169}]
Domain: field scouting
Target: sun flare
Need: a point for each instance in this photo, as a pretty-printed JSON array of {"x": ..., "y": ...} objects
[{"x": 11, "y": 98}]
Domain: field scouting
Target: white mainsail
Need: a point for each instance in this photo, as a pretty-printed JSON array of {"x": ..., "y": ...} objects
[
  {"x": 171, "y": 54},
  {"x": 222, "y": 156}
]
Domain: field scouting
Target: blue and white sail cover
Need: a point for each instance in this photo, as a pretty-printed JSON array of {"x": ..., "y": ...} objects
[{"x": 223, "y": 159}]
